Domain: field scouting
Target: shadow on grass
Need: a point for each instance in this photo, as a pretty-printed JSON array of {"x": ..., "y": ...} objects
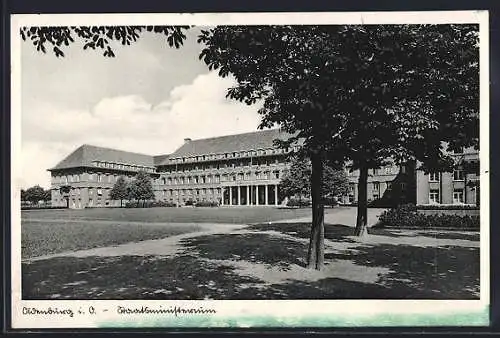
[
  {"x": 450, "y": 272},
  {"x": 130, "y": 277},
  {"x": 184, "y": 277},
  {"x": 251, "y": 247}
]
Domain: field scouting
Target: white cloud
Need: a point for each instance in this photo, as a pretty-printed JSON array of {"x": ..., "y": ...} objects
[{"x": 197, "y": 110}]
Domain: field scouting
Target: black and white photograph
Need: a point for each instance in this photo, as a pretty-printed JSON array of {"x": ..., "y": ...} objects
[{"x": 177, "y": 164}]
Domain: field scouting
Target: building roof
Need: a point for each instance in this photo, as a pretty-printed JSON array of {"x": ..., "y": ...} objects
[
  {"x": 230, "y": 143},
  {"x": 85, "y": 154},
  {"x": 158, "y": 159}
]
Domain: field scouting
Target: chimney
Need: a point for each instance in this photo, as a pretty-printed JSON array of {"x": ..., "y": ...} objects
[{"x": 187, "y": 140}]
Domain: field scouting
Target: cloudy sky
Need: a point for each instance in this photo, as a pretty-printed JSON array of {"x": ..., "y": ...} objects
[{"x": 147, "y": 99}]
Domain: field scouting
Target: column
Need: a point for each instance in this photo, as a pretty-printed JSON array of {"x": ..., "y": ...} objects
[
  {"x": 276, "y": 194},
  {"x": 248, "y": 195},
  {"x": 266, "y": 194},
  {"x": 239, "y": 195},
  {"x": 257, "y": 194},
  {"x": 230, "y": 195},
  {"x": 222, "y": 195}
]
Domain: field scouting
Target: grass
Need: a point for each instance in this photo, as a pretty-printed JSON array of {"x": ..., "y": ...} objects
[
  {"x": 44, "y": 238},
  {"x": 233, "y": 215}
]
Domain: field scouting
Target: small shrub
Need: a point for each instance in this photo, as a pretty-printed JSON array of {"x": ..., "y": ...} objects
[
  {"x": 206, "y": 204},
  {"x": 296, "y": 202},
  {"x": 407, "y": 216}
]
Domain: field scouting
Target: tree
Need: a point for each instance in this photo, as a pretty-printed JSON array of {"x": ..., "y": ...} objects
[
  {"x": 119, "y": 191},
  {"x": 23, "y": 195},
  {"x": 64, "y": 190},
  {"x": 34, "y": 194},
  {"x": 141, "y": 189},
  {"x": 358, "y": 93},
  {"x": 297, "y": 182}
]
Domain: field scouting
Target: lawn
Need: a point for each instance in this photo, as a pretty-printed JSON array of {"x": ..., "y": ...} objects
[
  {"x": 257, "y": 261},
  {"x": 233, "y": 215},
  {"x": 44, "y": 238}
]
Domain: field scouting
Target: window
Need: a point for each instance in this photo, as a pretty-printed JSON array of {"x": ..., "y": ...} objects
[
  {"x": 99, "y": 191},
  {"x": 376, "y": 186},
  {"x": 388, "y": 170},
  {"x": 433, "y": 177},
  {"x": 375, "y": 196},
  {"x": 458, "y": 196},
  {"x": 376, "y": 171},
  {"x": 434, "y": 196},
  {"x": 403, "y": 186},
  {"x": 163, "y": 180},
  {"x": 458, "y": 175},
  {"x": 99, "y": 178},
  {"x": 276, "y": 174}
]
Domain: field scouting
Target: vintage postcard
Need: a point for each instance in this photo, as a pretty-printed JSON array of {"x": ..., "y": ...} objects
[{"x": 250, "y": 170}]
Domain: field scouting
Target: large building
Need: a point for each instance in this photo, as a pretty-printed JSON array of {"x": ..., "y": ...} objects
[{"x": 242, "y": 170}]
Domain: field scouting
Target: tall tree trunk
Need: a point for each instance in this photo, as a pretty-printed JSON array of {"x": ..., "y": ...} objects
[
  {"x": 316, "y": 252},
  {"x": 362, "y": 218}
]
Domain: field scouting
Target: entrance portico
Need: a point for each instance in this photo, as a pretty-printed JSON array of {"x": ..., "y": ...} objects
[{"x": 257, "y": 194}]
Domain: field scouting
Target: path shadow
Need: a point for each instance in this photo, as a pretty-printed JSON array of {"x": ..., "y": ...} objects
[{"x": 334, "y": 232}]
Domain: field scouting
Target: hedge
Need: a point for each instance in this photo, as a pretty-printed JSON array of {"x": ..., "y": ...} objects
[
  {"x": 406, "y": 216},
  {"x": 149, "y": 204},
  {"x": 206, "y": 204}
]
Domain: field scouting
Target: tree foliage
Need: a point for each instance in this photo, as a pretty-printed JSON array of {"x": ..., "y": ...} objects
[
  {"x": 34, "y": 194},
  {"x": 120, "y": 190},
  {"x": 141, "y": 188},
  {"x": 96, "y": 37}
]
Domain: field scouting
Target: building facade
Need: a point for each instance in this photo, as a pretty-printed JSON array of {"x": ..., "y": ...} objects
[
  {"x": 458, "y": 187},
  {"x": 243, "y": 170}
]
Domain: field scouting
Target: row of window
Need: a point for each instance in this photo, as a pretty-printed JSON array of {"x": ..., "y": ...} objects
[
  {"x": 123, "y": 166},
  {"x": 105, "y": 178},
  {"x": 389, "y": 170},
  {"x": 191, "y": 192},
  {"x": 458, "y": 175},
  {"x": 435, "y": 198},
  {"x": 259, "y": 175},
  {"x": 239, "y": 154},
  {"x": 224, "y": 165}
]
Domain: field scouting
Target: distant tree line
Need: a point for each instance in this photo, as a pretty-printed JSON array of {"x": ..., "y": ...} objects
[{"x": 35, "y": 194}]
